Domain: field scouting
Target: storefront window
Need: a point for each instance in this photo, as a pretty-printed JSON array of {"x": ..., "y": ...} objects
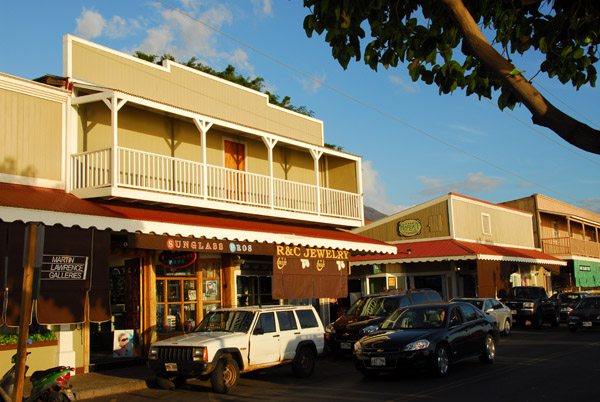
[
  {"x": 211, "y": 280},
  {"x": 183, "y": 294},
  {"x": 254, "y": 290}
]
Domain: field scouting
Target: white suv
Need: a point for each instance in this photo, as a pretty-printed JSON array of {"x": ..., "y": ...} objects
[{"x": 237, "y": 340}]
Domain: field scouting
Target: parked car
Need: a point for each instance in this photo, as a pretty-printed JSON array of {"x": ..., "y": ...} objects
[
  {"x": 568, "y": 301},
  {"x": 237, "y": 340},
  {"x": 586, "y": 314},
  {"x": 531, "y": 303},
  {"x": 500, "y": 312},
  {"x": 365, "y": 315},
  {"x": 428, "y": 336}
]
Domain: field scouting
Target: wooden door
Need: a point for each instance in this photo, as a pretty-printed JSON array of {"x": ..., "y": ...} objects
[{"x": 235, "y": 182}]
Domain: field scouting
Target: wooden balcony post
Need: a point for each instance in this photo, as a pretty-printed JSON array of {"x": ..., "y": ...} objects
[
  {"x": 270, "y": 144},
  {"x": 203, "y": 127},
  {"x": 316, "y": 154},
  {"x": 114, "y": 105}
]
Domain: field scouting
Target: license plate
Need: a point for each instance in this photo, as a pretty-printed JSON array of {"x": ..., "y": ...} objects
[
  {"x": 377, "y": 361},
  {"x": 346, "y": 345},
  {"x": 171, "y": 366},
  {"x": 587, "y": 323}
]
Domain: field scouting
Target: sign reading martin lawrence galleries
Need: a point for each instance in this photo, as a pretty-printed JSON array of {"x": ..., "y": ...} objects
[
  {"x": 64, "y": 268},
  {"x": 305, "y": 272}
]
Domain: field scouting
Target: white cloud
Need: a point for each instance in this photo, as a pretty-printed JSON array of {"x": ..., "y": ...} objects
[
  {"x": 466, "y": 129},
  {"x": 474, "y": 183},
  {"x": 157, "y": 41},
  {"x": 591, "y": 204},
  {"x": 374, "y": 191},
  {"x": 263, "y": 7},
  {"x": 240, "y": 59},
  {"x": 311, "y": 85},
  {"x": 117, "y": 28},
  {"x": 90, "y": 24},
  {"x": 407, "y": 87}
]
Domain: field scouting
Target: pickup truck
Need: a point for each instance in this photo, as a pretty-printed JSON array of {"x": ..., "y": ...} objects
[
  {"x": 231, "y": 341},
  {"x": 531, "y": 303}
]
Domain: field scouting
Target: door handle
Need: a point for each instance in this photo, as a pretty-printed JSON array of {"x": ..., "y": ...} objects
[{"x": 275, "y": 336}]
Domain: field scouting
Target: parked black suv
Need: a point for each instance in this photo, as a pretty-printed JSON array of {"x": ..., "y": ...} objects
[
  {"x": 531, "y": 303},
  {"x": 365, "y": 315}
]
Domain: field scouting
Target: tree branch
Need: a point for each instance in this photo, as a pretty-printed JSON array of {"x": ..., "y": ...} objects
[{"x": 543, "y": 112}]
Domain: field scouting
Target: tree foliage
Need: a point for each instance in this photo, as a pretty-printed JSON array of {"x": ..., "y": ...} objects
[
  {"x": 229, "y": 74},
  {"x": 441, "y": 42}
]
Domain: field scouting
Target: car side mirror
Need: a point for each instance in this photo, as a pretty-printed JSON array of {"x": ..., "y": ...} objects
[
  {"x": 258, "y": 331},
  {"x": 490, "y": 310}
]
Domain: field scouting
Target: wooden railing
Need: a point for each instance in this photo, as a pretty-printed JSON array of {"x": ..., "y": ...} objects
[
  {"x": 163, "y": 174},
  {"x": 570, "y": 246}
]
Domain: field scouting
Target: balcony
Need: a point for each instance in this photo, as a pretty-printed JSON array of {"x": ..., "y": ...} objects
[
  {"x": 564, "y": 246},
  {"x": 156, "y": 178}
]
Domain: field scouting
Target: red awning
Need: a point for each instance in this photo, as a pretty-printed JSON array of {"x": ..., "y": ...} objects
[
  {"x": 449, "y": 249},
  {"x": 53, "y": 206}
]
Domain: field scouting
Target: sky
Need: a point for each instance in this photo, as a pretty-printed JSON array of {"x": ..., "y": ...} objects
[{"x": 415, "y": 144}]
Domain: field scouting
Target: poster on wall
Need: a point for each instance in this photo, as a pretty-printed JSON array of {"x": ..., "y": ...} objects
[{"x": 123, "y": 343}]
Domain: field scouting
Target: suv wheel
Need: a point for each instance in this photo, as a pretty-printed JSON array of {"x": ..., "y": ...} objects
[
  {"x": 304, "y": 363},
  {"x": 556, "y": 320},
  {"x": 225, "y": 376},
  {"x": 537, "y": 321},
  {"x": 441, "y": 361}
]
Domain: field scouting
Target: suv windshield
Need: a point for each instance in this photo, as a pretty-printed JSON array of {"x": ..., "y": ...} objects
[
  {"x": 415, "y": 318},
  {"x": 229, "y": 321},
  {"x": 528, "y": 293},
  {"x": 373, "y": 306}
]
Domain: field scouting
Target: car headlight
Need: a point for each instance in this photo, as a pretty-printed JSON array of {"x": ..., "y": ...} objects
[
  {"x": 369, "y": 329},
  {"x": 417, "y": 345},
  {"x": 153, "y": 353},
  {"x": 528, "y": 304},
  {"x": 330, "y": 329},
  {"x": 200, "y": 354},
  {"x": 357, "y": 347}
]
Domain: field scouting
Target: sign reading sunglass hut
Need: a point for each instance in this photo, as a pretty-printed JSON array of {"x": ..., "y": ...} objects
[{"x": 64, "y": 267}]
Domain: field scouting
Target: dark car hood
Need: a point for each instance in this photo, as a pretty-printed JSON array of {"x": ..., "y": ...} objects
[
  {"x": 356, "y": 322},
  {"x": 399, "y": 338}
]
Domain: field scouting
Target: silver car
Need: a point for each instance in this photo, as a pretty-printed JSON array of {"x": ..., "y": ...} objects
[{"x": 493, "y": 308}]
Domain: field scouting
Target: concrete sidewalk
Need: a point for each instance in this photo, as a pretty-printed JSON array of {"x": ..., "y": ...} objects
[{"x": 108, "y": 382}]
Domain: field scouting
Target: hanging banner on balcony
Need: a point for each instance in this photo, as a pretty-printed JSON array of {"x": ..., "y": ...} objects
[{"x": 307, "y": 273}]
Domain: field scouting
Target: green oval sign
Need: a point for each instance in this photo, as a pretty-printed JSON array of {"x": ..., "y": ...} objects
[{"x": 409, "y": 227}]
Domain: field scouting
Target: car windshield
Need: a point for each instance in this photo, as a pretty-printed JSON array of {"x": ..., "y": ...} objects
[
  {"x": 415, "y": 318},
  {"x": 589, "y": 303},
  {"x": 373, "y": 306},
  {"x": 569, "y": 297},
  {"x": 476, "y": 303},
  {"x": 229, "y": 321},
  {"x": 524, "y": 292}
]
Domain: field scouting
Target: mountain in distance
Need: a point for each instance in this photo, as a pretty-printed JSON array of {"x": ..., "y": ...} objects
[{"x": 371, "y": 214}]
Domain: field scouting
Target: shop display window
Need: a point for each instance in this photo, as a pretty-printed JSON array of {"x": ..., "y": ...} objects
[{"x": 184, "y": 294}]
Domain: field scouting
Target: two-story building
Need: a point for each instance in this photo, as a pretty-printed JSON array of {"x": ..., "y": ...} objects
[
  {"x": 456, "y": 245},
  {"x": 164, "y": 192},
  {"x": 569, "y": 233}
]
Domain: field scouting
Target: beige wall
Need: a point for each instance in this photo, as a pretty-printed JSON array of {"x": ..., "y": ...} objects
[
  {"x": 31, "y": 135},
  {"x": 508, "y": 226},
  {"x": 341, "y": 174},
  {"x": 189, "y": 89},
  {"x": 434, "y": 222}
]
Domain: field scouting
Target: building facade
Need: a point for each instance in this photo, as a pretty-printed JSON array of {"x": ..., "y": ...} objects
[
  {"x": 456, "y": 245},
  {"x": 569, "y": 233},
  {"x": 164, "y": 193}
]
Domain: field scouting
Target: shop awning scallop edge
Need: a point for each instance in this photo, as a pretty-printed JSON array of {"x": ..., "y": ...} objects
[{"x": 57, "y": 207}]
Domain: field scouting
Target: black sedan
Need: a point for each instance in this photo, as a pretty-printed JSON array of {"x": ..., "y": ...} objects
[
  {"x": 585, "y": 315},
  {"x": 429, "y": 336}
]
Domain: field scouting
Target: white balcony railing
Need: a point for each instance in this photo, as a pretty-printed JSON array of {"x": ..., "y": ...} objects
[{"x": 163, "y": 174}]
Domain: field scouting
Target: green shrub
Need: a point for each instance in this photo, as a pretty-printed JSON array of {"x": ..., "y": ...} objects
[{"x": 41, "y": 335}]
